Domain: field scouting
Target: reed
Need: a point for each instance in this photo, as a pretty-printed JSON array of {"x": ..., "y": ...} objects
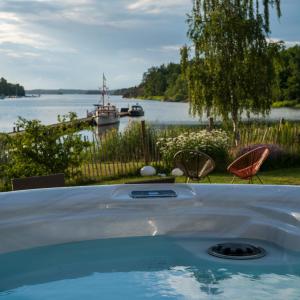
[
  {"x": 123, "y": 154},
  {"x": 120, "y": 155}
]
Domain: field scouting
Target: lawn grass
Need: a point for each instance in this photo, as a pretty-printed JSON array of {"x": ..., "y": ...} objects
[{"x": 289, "y": 176}]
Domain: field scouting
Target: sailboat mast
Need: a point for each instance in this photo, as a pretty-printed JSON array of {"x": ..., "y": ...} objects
[{"x": 103, "y": 90}]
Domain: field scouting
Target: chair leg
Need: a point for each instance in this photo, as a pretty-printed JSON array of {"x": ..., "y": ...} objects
[
  {"x": 208, "y": 179},
  {"x": 233, "y": 179},
  {"x": 187, "y": 180},
  {"x": 259, "y": 179}
]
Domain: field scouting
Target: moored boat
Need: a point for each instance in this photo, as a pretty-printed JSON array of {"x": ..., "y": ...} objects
[
  {"x": 136, "y": 111},
  {"x": 105, "y": 114}
]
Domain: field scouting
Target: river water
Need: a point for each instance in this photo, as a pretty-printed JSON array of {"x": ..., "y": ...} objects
[{"x": 47, "y": 107}]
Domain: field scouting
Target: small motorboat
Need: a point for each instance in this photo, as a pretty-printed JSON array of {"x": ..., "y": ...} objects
[{"x": 136, "y": 111}]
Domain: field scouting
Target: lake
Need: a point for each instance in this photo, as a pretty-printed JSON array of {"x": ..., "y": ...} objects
[{"x": 47, "y": 107}]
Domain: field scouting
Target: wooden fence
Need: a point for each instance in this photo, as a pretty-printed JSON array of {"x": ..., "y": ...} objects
[
  {"x": 123, "y": 154},
  {"x": 117, "y": 154},
  {"x": 287, "y": 136}
]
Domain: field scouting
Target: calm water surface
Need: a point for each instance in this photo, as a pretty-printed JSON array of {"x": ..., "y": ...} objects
[
  {"x": 144, "y": 268},
  {"x": 47, "y": 107}
]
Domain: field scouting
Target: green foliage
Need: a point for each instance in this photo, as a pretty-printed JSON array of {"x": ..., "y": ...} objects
[
  {"x": 126, "y": 146},
  {"x": 9, "y": 89},
  {"x": 285, "y": 103},
  {"x": 43, "y": 150},
  {"x": 232, "y": 69},
  {"x": 165, "y": 82},
  {"x": 214, "y": 143},
  {"x": 289, "y": 75}
]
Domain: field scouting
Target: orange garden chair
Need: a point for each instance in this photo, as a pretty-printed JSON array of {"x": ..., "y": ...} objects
[
  {"x": 248, "y": 165},
  {"x": 195, "y": 165}
]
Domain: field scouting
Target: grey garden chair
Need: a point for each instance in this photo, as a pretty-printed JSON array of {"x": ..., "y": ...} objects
[{"x": 195, "y": 165}]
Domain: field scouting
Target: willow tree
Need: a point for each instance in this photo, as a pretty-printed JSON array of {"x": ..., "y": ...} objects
[{"x": 230, "y": 65}]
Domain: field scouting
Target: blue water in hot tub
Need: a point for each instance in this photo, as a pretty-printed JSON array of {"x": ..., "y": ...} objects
[{"x": 145, "y": 268}]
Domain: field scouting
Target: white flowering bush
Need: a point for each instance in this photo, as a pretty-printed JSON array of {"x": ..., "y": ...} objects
[{"x": 215, "y": 143}]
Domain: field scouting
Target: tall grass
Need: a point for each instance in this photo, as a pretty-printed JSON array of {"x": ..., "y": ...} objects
[
  {"x": 122, "y": 154},
  {"x": 285, "y": 135}
]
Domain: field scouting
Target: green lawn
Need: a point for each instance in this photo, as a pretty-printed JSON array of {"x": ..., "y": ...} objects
[{"x": 282, "y": 176}]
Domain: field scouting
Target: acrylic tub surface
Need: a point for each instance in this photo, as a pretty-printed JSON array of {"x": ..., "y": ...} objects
[
  {"x": 106, "y": 242},
  {"x": 37, "y": 218}
]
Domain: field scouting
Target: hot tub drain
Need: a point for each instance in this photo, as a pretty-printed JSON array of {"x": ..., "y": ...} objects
[{"x": 236, "y": 251}]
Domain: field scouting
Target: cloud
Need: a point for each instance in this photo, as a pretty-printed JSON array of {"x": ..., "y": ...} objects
[
  {"x": 288, "y": 44},
  {"x": 14, "y": 54},
  {"x": 21, "y": 37},
  {"x": 169, "y": 48},
  {"x": 159, "y": 6},
  {"x": 291, "y": 43},
  {"x": 166, "y": 48}
]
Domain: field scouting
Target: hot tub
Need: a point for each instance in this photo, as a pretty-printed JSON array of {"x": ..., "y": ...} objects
[{"x": 149, "y": 241}]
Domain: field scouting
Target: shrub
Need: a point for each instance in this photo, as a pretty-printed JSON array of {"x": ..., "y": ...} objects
[
  {"x": 278, "y": 158},
  {"x": 43, "y": 150},
  {"x": 214, "y": 143}
]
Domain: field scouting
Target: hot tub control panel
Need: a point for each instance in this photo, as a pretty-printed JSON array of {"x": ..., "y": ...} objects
[{"x": 154, "y": 194}]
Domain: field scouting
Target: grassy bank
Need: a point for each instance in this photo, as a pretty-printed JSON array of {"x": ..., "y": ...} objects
[
  {"x": 277, "y": 104},
  {"x": 289, "y": 176},
  {"x": 287, "y": 103},
  {"x": 158, "y": 98}
]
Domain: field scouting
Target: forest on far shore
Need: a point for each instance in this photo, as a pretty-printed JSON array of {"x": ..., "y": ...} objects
[
  {"x": 9, "y": 89},
  {"x": 166, "y": 82}
]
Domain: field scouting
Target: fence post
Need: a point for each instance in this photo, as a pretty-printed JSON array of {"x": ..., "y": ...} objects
[{"x": 144, "y": 142}]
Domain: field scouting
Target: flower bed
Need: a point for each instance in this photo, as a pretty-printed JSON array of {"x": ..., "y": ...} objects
[{"x": 214, "y": 143}]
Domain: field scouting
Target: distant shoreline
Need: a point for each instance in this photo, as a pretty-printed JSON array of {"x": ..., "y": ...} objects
[
  {"x": 33, "y": 93},
  {"x": 155, "y": 98}
]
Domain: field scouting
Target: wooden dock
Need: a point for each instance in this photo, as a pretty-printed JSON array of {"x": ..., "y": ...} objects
[{"x": 86, "y": 120}]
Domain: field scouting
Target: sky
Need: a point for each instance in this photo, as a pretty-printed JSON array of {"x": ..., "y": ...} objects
[{"x": 70, "y": 43}]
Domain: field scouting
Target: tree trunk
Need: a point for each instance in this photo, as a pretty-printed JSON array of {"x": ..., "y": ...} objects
[{"x": 236, "y": 133}]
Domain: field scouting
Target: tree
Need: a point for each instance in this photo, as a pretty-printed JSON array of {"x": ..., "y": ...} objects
[
  {"x": 232, "y": 67},
  {"x": 289, "y": 75},
  {"x": 9, "y": 89}
]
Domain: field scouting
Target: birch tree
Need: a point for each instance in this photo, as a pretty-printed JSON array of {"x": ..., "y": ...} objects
[{"x": 230, "y": 64}]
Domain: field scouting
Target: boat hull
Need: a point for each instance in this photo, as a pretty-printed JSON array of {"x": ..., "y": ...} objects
[
  {"x": 136, "y": 114},
  {"x": 104, "y": 121}
]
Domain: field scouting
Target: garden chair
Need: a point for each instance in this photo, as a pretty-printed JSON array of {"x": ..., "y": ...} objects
[
  {"x": 37, "y": 182},
  {"x": 195, "y": 165},
  {"x": 247, "y": 166}
]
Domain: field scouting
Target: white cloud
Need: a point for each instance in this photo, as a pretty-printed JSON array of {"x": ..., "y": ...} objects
[
  {"x": 16, "y": 32},
  {"x": 292, "y": 43},
  {"x": 166, "y": 48},
  {"x": 169, "y": 48},
  {"x": 288, "y": 44},
  {"x": 91, "y": 16},
  {"x": 159, "y": 6},
  {"x": 14, "y": 54}
]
